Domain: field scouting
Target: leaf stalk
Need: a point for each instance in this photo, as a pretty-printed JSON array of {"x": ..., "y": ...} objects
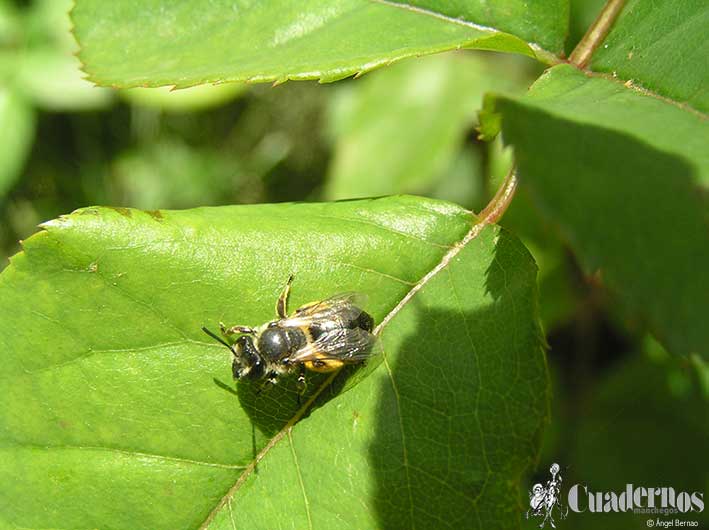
[
  {"x": 496, "y": 208},
  {"x": 595, "y": 35}
]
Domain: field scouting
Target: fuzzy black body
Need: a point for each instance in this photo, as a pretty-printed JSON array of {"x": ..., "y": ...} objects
[{"x": 277, "y": 342}]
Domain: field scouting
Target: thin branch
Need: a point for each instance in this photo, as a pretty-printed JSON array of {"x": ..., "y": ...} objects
[
  {"x": 502, "y": 199},
  {"x": 581, "y": 55}
]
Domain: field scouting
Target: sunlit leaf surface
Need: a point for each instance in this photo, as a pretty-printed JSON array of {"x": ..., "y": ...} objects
[{"x": 158, "y": 42}]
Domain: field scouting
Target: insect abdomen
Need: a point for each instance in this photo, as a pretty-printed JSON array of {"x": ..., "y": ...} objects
[
  {"x": 364, "y": 321},
  {"x": 323, "y": 365}
]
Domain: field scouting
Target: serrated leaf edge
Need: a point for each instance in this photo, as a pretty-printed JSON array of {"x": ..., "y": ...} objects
[{"x": 532, "y": 50}]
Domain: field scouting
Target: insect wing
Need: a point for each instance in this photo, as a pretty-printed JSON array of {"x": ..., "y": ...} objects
[
  {"x": 344, "y": 307},
  {"x": 342, "y": 344}
]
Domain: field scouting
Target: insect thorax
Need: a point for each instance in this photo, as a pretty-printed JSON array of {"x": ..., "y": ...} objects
[{"x": 277, "y": 342}]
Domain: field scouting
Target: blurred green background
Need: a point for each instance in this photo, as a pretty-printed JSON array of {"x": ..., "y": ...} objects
[{"x": 621, "y": 404}]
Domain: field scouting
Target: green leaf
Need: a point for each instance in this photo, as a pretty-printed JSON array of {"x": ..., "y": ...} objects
[
  {"x": 10, "y": 27},
  {"x": 399, "y": 130},
  {"x": 624, "y": 175},
  {"x": 46, "y": 70},
  {"x": 117, "y": 412},
  {"x": 556, "y": 280},
  {"x": 463, "y": 181},
  {"x": 159, "y": 42},
  {"x": 661, "y": 46},
  {"x": 17, "y": 124},
  {"x": 197, "y": 176},
  {"x": 52, "y": 78},
  {"x": 47, "y": 23},
  {"x": 543, "y": 22}
]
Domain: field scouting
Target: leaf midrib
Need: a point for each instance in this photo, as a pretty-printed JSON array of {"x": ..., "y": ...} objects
[
  {"x": 630, "y": 85},
  {"x": 542, "y": 53},
  {"x": 119, "y": 451}
]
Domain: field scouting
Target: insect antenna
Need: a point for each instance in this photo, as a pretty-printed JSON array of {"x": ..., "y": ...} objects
[{"x": 216, "y": 337}]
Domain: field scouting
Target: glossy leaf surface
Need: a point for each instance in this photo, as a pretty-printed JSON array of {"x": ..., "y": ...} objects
[{"x": 158, "y": 42}]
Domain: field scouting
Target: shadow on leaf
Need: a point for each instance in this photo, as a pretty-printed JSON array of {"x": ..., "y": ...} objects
[{"x": 461, "y": 405}]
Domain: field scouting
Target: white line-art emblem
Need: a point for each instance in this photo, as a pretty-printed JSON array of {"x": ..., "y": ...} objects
[{"x": 544, "y": 499}]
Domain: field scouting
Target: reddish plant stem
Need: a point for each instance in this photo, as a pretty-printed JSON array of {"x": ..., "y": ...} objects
[
  {"x": 581, "y": 56},
  {"x": 502, "y": 199}
]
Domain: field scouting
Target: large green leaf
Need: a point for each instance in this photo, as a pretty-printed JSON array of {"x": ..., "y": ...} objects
[
  {"x": 159, "y": 42},
  {"x": 401, "y": 128},
  {"x": 117, "y": 412},
  {"x": 624, "y": 174},
  {"x": 661, "y": 46}
]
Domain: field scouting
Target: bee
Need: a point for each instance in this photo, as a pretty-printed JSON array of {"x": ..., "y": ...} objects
[{"x": 320, "y": 336}]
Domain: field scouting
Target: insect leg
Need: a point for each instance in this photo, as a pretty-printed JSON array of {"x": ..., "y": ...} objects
[
  {"x": 301, "y": 385},
  {"x": 268, "y": 383},
  {"x": 282, "y": 303},
  {"x": 236, "y": 329}
]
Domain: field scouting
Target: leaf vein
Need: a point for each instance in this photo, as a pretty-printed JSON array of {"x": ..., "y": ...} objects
[
  {"x": 382, "y": 227},
  {"x": 630, "y": 85},
  {"x": 457, "y": 21},
  {"x": 126, "y": 452},
  {"x": 300, "y": 480},
  {"x": 90, "y": 352},
  {"x": 231, "y": 515},
  {"x": 378, "y": 273},
  {"x": 478, "y": 392},
  {"x": 395, "y": 389}
]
